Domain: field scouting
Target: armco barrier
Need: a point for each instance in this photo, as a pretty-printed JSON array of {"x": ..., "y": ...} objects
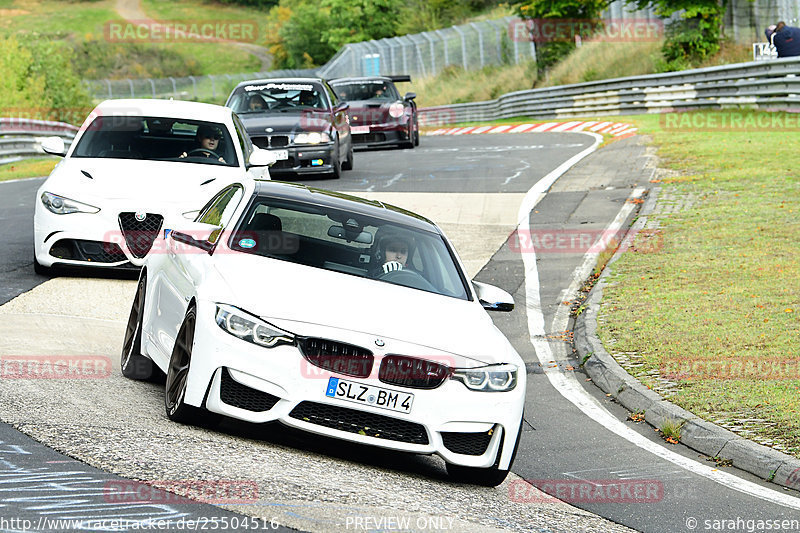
[
  {"x": 21, "y": 137},
  {"x": 773, "y": 85}
]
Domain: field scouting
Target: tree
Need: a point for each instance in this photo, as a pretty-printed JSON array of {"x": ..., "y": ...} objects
[
  {"x": 576, "y": 17},
  {"x": 353, "y": 21},
  {"x": 692, "y": 37}
]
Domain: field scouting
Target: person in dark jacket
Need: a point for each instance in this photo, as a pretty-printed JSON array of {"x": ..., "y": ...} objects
[{"x": 786, "y": 39}]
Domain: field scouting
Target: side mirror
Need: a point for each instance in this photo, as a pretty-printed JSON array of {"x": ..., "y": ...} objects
[
  {"x": 493, "y": 298},
  {"x": 341, "y": 106},
  {"x": 261, "y": 158},
  {"x": 54, "y": 146},
  {"x": 410, "y": 96},
  {"x": 198, "y": 235}
]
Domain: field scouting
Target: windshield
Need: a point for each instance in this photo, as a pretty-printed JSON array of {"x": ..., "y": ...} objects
[
  {"x": 157, "y": 139},
  {"x": 285, "y": 97},
  {"x": 356, "y": 245},
  {"x": 365, "y": 90}
]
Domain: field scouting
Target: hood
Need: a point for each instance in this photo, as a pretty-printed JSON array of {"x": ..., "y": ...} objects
[
  {"x": 299, "y": 299},
  {"x": 364, "y": 112},
  {"x": 139, "y": 182},
  {"x": 287, "y": 122}
]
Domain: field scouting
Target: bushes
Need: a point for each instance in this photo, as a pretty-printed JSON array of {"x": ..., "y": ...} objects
[{"x": 37, "y": 81}]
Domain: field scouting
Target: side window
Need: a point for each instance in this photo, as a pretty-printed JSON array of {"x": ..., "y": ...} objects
[
  {"x": 219, "y": 210},
  {"x": 244, "y": 139}
]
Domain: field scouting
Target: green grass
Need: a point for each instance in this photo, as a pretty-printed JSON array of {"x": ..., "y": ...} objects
[
  {"x": 28, "y": 168},
  {"x": 723, "y": 288}
]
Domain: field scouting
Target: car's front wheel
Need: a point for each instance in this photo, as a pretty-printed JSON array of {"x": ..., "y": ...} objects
[
  {"x": 40, "y": 268},
  {"x": 135, "y": 365},
  {"x": 178, "y": 373},
  {"x": 336, "y": 172},
  {"x": 348, "y": 164}
]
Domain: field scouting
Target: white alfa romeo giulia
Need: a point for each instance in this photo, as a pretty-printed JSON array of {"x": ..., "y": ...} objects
[
  {"x": 134, "y": 167},
  {"x": 335, "y": 315}
]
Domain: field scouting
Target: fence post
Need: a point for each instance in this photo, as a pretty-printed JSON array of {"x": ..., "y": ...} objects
[
  {"x": 174, "y": 87},
  {"x": 463, "y": 47},
  {"x": 152, "y": 86},
  {"x": 213, "y": 87},
  {"x": 110, "y": 94},
  {"x": 131, "y": 85},
  {"x": 480, "y": 40},
  {"x": 443, "y": 37},
  {"x": 433, "y": 55},
  {"x": 194, "y": 87}
]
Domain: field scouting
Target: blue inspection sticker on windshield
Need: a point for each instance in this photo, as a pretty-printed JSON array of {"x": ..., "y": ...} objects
[
  {"x": 247, "y": 243},
  {"x": 332, "y": 384}
]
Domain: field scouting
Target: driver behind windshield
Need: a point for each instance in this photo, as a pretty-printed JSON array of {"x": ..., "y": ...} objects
[
  {"x": 207, "y": 139},
  {"x": 394, "y": 247}
]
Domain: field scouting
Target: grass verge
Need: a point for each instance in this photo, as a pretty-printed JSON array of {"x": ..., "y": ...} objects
[
  {"x": 28, "y": 168},
  {"x": 714, "y": 310}
]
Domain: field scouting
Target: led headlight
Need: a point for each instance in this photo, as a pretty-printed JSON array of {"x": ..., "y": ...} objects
[
  {"x": 396, "y": 110},
  {"x": 64, "y": 206},
  {"x": 315, "y": 137},
  {"x": 493, "y": 378},
  {"x": 251, "y": 328}
]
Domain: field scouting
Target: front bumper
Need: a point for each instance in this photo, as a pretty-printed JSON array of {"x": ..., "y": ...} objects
[
  {"x": 381, "y": 135},
  {"x": 93, "y": 240},
  {"x": 306, "y": 160},
  {"x": 238, "y": 379}
]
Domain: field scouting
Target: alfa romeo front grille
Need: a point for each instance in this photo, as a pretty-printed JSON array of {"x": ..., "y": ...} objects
[
  {"x": 337, "y": 357},
  {"x": 140, "y": 234}
]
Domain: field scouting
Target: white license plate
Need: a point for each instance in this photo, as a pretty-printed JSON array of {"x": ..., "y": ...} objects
[
  {"x": 351, "y": 391},
  {"x": 281, "y": 155},
  {"x": 359, "y": 129}
]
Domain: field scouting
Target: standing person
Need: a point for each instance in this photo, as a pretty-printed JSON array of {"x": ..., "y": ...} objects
[{"x": 786, "y": 39}]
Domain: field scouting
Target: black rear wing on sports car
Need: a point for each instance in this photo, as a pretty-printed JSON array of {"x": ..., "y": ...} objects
[{"x": 400, "y": 77}]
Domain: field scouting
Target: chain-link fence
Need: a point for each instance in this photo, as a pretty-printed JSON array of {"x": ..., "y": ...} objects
[
  {"x": 210, "y": 88},
  {"x": 470, "y": 46}
]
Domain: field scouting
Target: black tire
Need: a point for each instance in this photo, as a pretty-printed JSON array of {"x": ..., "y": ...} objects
[
  {"x": 336, "y": 173},
  {"x": 348, "y": 164},
  {"x": 41, "y": 269},
  {"x": 178, "y": 372},
  {"x": 486, "y": 477},
  {"x": 410, "y": 142},
  {"x": 135, "y": 365},
  {"x": 416, "y": 134}
]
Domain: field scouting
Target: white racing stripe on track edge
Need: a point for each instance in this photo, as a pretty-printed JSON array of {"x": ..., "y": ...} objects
[{"x": 568, "y": 386}]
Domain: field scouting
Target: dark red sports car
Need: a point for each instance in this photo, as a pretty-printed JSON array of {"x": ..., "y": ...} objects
[{"x": 379, "y": 116}]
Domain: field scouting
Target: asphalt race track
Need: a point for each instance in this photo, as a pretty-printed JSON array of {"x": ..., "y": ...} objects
[{"x": 473, "y": 187}]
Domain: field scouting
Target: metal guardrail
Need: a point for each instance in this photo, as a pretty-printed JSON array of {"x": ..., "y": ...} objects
[
  {"x": 760, "y": 85},
  {"x": 21, "y": 138}
]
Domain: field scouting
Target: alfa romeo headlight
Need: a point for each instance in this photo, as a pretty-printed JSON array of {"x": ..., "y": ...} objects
[
  {"x": 493, "y": 378},
  {"x": 315, "y": 137},
  {"x": 64, "y": 206},
  {"x": 251, "y": 328}
]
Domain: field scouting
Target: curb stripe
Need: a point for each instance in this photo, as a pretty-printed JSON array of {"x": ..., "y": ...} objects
[{"x": 614, "y": 129}]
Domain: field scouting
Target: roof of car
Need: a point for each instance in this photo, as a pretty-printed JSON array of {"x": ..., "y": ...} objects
[
  {"x": 164, "y": 108},
  {"x": 372, "y": 208},
  {"x": 359, "y": 79},
  {"x": 280, "y": 80}
]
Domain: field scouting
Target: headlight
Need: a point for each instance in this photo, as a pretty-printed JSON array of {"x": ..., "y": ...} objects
[
  {"x": 495, "y": 378},
  {"x": 396, "y": 110},
  {"x": 250, "y": 328},
  {"x": 64, "y": 206},
  {"x": 315, "y": 137}
]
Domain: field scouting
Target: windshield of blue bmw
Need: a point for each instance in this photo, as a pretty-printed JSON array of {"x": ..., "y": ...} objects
[
  {"x": 157, "y": 139},
  {"x": 279, "y": 97},
  {"x": 351, "y": 244}
]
